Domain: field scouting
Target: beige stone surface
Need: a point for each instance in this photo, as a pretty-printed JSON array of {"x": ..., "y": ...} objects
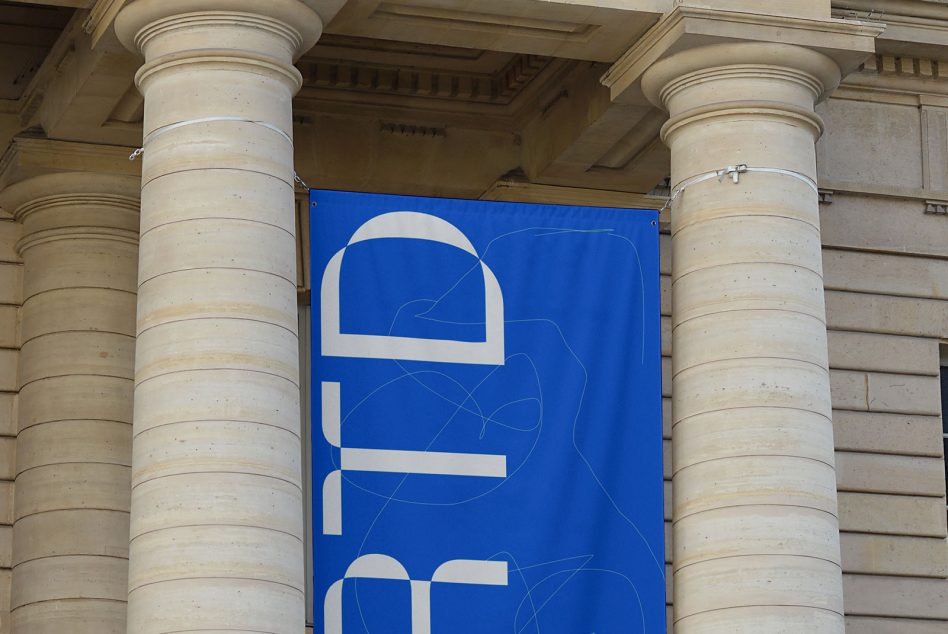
[
  {"x": 878, "y": 392},
  {"x": 894, "y": 555},
  {"x": 877, "y": 473},
  {"x": 886, "y": 314},
  {"x": 892, "y": 514},
  {"x": 217, "y": 513},
  {"x": 890, "y": 596},
  {"x": 82, "y": 616},
  {"x": 869, "y": 142},
  {"x": 893, "y": 223},
  {"x": 101, "y": 310},
  {"x": 882, "y": 353},
  {"x": 70, "y": 532},
  {"x": 885, "y": 274},
  {"x": 11, "y": 281},
  {"x": 870, "y": 625},
  {"x": 871, "y": 432},
  {"x": 755, "y": 526}
]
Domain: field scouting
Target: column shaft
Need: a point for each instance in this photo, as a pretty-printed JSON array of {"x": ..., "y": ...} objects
[
  {"x": 217, "y": 511},
  {"x": 80, "y": 251},
  {"x": 756, "y": 539}
]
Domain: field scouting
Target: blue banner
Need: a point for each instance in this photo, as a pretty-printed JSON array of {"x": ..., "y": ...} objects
[{"x": 487, "y": 446}]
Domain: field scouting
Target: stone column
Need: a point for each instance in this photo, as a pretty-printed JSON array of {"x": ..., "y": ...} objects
[
  {"x": 756, "y": 539},
  {"x": 71, "y": 512},
  {"x": 217, "y": 511}
]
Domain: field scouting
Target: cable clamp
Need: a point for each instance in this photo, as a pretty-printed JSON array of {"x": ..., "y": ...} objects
[{"x": 734, "y": 171}]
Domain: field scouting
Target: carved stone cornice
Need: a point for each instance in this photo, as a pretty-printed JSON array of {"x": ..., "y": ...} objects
[
  {"x": 846, "y": 42},
  {"x": 499, "y": 87},
  {"x": 914, "y": 27},
  {"x": 908, "y": 80},
  {"x": 917, "y": 67},
  {"x": 423, "y": 84},
  {"x": 936, "y": 207}
]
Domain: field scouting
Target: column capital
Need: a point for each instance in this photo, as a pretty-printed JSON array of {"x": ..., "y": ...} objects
[
  {"x": 741, "y": 79},
  {"x": 30, "y": 155},
  {"x": 71, "y": 205},
  {"x": 699, "y": 37},
  {"x": 300, "y": 22},
  {"x": 740, "y": 60}
]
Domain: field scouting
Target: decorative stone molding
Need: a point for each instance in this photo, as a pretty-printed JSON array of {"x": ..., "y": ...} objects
[
  {"x": 68, "y": 205},
  {"x": 500, "y": 87},
  {"x": 846, "y": 42},
  {"x": 906, "y": 66},
  {"x": 936, "y": 207},
  {"x": 31, "y": 154},
  {"x": 406, "y": 129}
]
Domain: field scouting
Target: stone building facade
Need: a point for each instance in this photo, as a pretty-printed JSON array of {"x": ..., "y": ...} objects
[{"x": 154, "y": 312}]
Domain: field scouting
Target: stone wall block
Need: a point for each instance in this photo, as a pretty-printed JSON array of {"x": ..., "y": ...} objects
[
  {"x": 892, "y": 514},
  {"x": 894, "y": 555},
  {"x": 902, "y": 434},
  {"x": 902, "y": 475}
]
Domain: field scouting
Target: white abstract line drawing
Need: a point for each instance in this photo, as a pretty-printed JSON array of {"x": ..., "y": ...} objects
[
  {"x": 551, "y": 231},
  {"x": 420, "y": 591}
]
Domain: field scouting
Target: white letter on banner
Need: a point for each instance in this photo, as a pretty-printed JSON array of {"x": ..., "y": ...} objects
[
  {"x": 418, "y": 226},
  {"x": 388, "y": 461},
  {"x": 467, "y": 571}
]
